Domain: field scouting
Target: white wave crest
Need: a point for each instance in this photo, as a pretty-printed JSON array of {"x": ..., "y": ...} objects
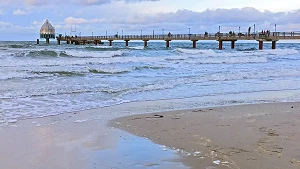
[
  {"x": 195, "y": 51},
  {"x": 137, "y": 47},
  {"x": 279, "y": 52},
  {"x": 210, "y": 52},
  {"x": 94, "y": 54}
]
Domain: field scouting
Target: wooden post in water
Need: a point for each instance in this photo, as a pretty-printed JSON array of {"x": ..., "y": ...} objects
[
  {"x": 167, "y": 43},
  {"x": 232, "y": 44},
  {"x": 110, "y": 42},
  {"x": 126, "y": 42},
  {"x": 273, "y": 44},
  {"x": 194, "y": 43},
  {"x": 145, "y": 43},
  {"x": 220, "y": 45},
  {"x": 37, "y": 41},
  {"x": 260, "y": 45}
]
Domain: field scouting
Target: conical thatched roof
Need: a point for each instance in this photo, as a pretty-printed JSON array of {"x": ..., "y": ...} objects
[{"x": 47, "y": 28}]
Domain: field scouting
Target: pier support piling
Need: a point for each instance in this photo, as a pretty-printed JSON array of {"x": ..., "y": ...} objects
[
  {"x": 232, "y": 44},
  {"x": 273, "y": 44},
  {"x": 145, "y": 43},
  {"x": 47, "y": 41},
  {"x": 260, "y": 45},
  {"x": 110, "y": 42},
  {"x": 220, "y": 45},
  {"x": 37, "y": 41},
  {"x": 167, "y": 43},
  {"x": 72, "y": 42},
  {"x": 126, "y": 42},
  {"x": 58, "y": 42},
  {"x": 194, "y": 43}
]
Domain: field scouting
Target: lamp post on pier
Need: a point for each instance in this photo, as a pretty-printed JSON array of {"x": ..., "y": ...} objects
[
  {"x": 163, "y": 32},
  {"x": 239, "y": 29},
  {"x": 141, "y": 34},
  {"x": 106, "y": 34},
  {"x": 219, "y": 29},
  {"x": 254, "y": 28},
  {"x": 122, "y": 34},
  {"x": 92, "y": 34},
  {"x": 275, "y": 31}
]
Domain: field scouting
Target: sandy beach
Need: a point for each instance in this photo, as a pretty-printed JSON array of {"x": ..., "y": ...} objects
[
  {"x": 261, "y": 136},
  {"x": 82, "y": 140}
]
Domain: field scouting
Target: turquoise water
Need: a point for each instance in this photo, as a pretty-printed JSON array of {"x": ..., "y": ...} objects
[{"x": 43, "y": 80}]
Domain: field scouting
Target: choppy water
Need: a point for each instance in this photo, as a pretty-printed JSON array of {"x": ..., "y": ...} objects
[{"x": 42, "y": 80}]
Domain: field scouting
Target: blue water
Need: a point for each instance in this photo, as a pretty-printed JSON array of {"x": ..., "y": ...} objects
[{"x": 43, "y": 80}]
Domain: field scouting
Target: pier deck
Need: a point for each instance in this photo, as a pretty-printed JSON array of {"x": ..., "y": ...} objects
[{"x": 220, "y": 37}]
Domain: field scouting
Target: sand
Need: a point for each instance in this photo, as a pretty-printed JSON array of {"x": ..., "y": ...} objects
[
  {"x": 265, "y": 136},
  {"x": 81, "y": 140}
]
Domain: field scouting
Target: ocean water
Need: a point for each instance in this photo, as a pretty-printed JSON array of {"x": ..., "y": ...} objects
[{"x": 43, "y": 80}]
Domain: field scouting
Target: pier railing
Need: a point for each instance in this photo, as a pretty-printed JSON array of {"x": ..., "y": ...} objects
[{"x": 192, "y": 37}]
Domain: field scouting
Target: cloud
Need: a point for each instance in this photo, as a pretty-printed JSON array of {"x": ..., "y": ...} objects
[
  {"x": 69, "y": 2},
  {"x": 100, "y": 2},
  {"x": 75, "y": 21},
  {"x": 1, "y": 12},
  {"x": 5, "y": 24},
  {"x": 114, "y": 17},
  {"x": 18, "y": 12}
]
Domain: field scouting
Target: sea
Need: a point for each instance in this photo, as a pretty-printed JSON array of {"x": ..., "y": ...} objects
[{"x": 47, "y": 80}]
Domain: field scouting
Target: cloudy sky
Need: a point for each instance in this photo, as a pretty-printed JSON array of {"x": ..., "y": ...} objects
[{"x": 22, "y": 19}]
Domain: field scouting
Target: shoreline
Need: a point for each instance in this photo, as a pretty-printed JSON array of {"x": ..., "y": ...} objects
[
  {"x": 82, "y": 140},
  {"x": 242, "y": 137},
  {"x": 171, "y": 138}
]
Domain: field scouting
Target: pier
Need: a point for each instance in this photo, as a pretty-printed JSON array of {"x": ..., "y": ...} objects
[{"x": 220, "y": 37}]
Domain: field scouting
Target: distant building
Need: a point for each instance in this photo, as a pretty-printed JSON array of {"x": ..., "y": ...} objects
[{"x": 47, "y": 31}]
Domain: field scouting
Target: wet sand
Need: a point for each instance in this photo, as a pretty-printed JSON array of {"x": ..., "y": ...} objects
[
  {"x": 240, "y": 137},
  {"x": 81, "y": 140}
]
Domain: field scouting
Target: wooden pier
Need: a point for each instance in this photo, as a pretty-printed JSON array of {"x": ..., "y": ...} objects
[{"x": 220, "y": 37}]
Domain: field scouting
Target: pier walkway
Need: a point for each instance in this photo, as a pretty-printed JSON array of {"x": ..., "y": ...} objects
[{"x": 220, "y": 37}]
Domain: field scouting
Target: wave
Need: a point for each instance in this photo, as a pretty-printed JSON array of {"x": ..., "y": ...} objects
[
  {"x": 148, "y": 67},
  {"x": 232, "y": 53},
  {"x": 228, "y": 60},
  {"x": 107, "y": 71},
  {"x": 247, "y": 49},
  {"x": 20, "y": 75},
  {"x": 90, "y": 54},
  {"x": 100, "y": 48},
  {"x": 137, "y": 47},
  {"x": 279, "y": 52},
  {"x": 66, "y": 53},
  {"x": 46, "y": 53},
  {"x": 196, "y": 52},
  {"x": 60, "y": 73},
  {"x": 20, "y": 46}
]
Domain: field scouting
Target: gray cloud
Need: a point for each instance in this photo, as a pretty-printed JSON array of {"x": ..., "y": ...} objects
[
  {"x": 115, "y": 18},
  {"x": 180, "y": 21},
  {"x": 75, "y": 2}
]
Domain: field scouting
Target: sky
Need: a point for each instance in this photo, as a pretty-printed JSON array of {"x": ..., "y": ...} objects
[{"x": 22, "y": 19}]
